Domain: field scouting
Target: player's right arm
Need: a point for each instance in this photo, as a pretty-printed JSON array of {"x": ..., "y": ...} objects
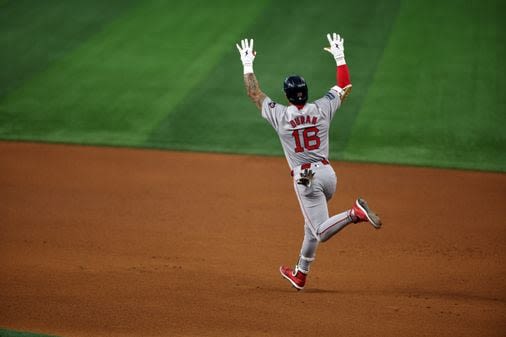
[
  {"x": 250, "y": 81},
  {"x": 342, "y": 73}
]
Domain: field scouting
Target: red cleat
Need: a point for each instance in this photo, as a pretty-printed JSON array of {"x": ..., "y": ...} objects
[
  {"x": 363, "y": 213},
  {"x": 296, "y": 277}
]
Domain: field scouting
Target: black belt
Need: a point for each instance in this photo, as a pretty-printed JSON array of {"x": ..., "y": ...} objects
[{"x": 308, "y": 165}]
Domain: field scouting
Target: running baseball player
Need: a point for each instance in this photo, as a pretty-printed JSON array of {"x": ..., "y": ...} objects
[{"x": 303, "y": 129}]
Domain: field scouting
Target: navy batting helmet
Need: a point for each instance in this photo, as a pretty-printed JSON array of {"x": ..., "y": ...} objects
[{"x": 295, "y": 89}]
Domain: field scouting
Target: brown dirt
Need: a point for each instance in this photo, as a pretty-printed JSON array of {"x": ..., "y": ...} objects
[{"x": 123, "y": 242}]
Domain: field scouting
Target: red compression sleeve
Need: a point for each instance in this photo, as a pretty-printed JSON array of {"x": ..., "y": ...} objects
[{"x": 343, "y": 76}]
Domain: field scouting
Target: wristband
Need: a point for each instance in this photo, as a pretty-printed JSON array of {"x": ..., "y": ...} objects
[
  {"x": 248, "y": 69},
  {"x": 340, "y": 61},
  {"x": 339, "y": 90}
]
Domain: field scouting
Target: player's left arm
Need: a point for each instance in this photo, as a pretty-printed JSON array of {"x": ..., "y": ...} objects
[
  {"x": 343, "y": 80},
  {"x": 250, "y": 81}
]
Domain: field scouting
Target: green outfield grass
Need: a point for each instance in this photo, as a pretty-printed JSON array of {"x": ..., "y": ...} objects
[
  {"x": 11, "y": 333},
  {"x": 437, "y": 97},
  {"x": 427, "y": 75}
]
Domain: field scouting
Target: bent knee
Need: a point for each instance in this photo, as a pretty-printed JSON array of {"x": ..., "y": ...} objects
[{"x": 321, "y": 237}]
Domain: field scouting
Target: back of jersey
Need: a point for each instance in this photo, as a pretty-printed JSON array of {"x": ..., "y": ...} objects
[{"x": 304, "y": 133}]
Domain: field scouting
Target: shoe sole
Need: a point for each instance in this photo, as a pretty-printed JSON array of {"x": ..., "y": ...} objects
[
  {"x": 290, "y": 280},
  {"x": 373, "y": 219}
]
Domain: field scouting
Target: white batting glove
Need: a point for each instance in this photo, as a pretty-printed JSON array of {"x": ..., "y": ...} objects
[
  {"x": 336, "y": 48},
  {"x": 247, "y": 55}
]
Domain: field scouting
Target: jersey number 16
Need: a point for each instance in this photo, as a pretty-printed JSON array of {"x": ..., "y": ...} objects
[{"x": 310, "y": 138}]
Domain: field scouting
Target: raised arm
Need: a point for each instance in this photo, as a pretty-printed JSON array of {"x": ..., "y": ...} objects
[
  {"x": 342, "y": 73},
  {"x": 253, "y": 89},
  {"x": 250, "y": 81}
]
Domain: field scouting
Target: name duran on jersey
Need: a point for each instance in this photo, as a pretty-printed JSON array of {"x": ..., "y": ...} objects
[{"x": 301, "y": 120}]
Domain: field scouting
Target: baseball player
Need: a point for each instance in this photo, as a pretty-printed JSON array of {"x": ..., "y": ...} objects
[{"x": 303, "y": 129}]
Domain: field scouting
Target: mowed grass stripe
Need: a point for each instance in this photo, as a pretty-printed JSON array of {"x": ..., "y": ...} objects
[
  {"x": 119, "y": 84},
  {"x": 437, "y": 97},
  {"x": 288, "y": 39},
  {"x": 33, "y": 34}
]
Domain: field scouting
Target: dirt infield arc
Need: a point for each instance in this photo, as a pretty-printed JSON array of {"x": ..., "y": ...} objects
[{"x": 123, "y": 242}]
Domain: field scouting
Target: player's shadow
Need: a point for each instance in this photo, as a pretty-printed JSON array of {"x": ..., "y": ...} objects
[
  {"x": 404, "y": 292},
  {"x": 321, "y": 291},
  {"x": 307, "y": 290}
]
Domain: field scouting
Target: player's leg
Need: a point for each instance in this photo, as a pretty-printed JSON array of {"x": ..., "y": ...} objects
[
  {"x": 313, "y": 202},
  {"x": 307, "y": 251},
  {"x": 313, "y": 205},
  {"x": 318, "y": 226},
  {"x": 334, "y": 225},
  {"x": 358, "y": 213},
  {"x": 297, "y": 276}
]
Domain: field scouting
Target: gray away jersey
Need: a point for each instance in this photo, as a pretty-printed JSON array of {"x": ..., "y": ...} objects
[{"x": 304, "y": 133}]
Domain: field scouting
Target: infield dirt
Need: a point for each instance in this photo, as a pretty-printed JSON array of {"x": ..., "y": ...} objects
[{"x": 126, "y": 242}]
